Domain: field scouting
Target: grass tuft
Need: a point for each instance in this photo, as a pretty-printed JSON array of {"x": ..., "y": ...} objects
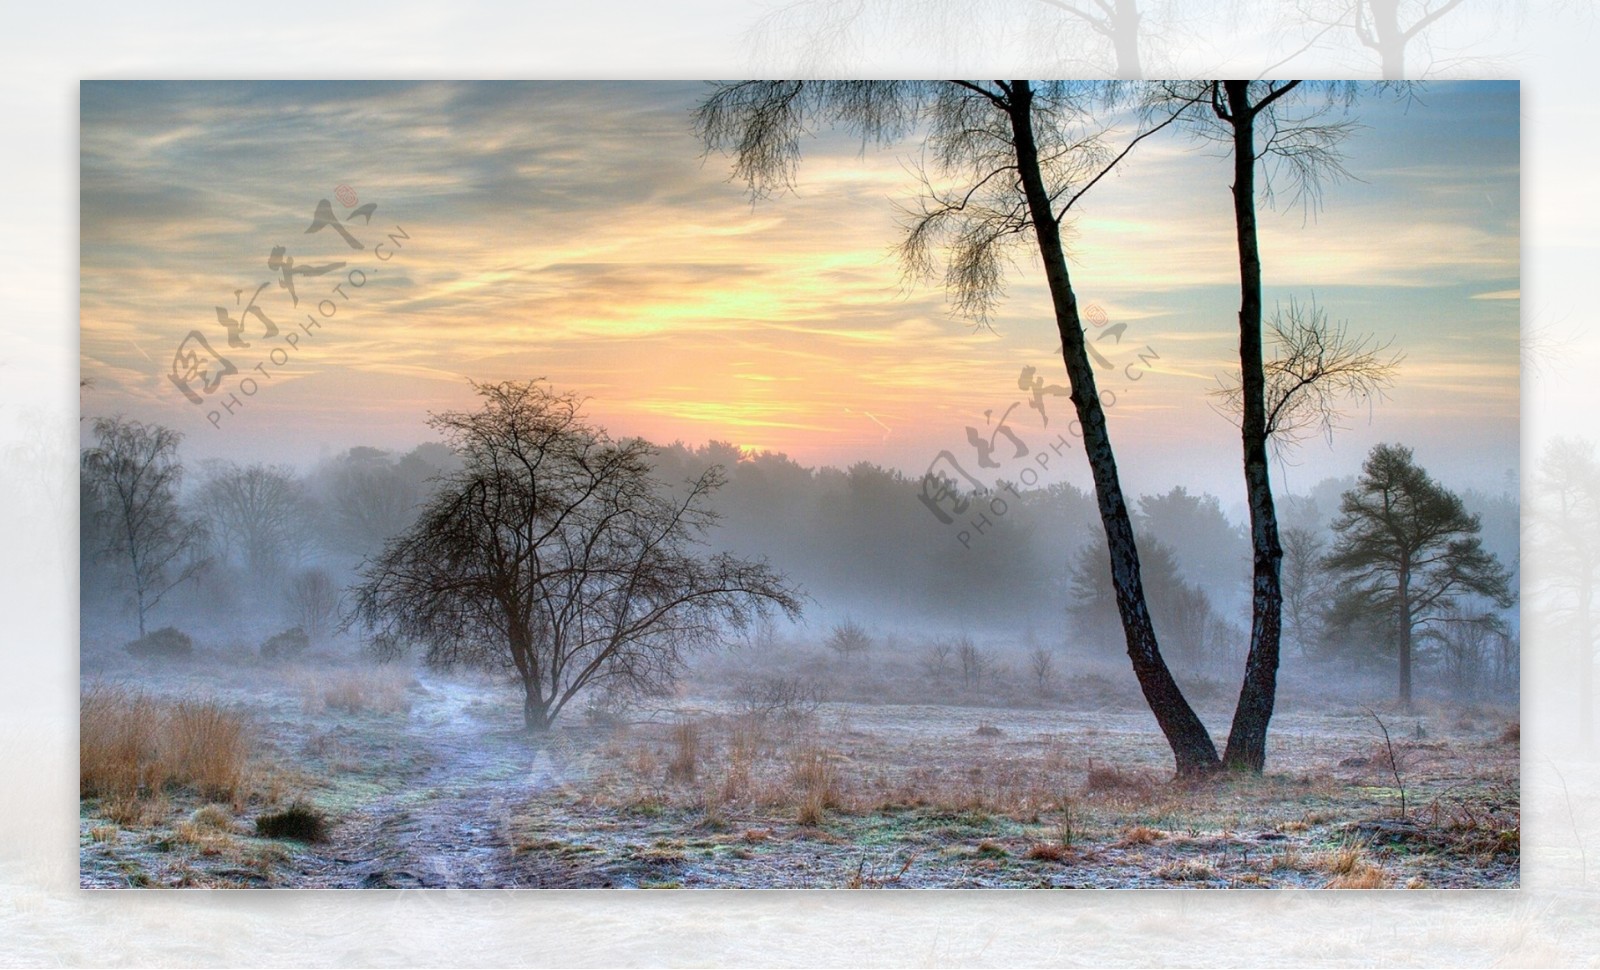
[
  {"x": 379, "y": 690},
  {"x": 132, "y": 746},
  {"x": 300, "y": 822}
]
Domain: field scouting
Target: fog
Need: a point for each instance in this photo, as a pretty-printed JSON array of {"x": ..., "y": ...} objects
[{"x": 1014, "y": 568}]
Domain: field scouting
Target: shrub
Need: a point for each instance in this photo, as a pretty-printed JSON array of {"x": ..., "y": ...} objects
[
  {"x": 781, "y": 698},
  {"x": 313, "y": 599},
  {"x": 975, "y": 664},
  {"x": 299, "y": 822},
  {"x": 1139, "y": 835},
  {"x": 286, "y": 645},
  {"x": 1111, "y": 779},
  {"x": 167, "y": 643},
  {"x": 848, "y": 639}
]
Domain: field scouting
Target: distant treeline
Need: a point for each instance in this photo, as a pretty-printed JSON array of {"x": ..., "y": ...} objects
[{"x": 862, "y": 542}]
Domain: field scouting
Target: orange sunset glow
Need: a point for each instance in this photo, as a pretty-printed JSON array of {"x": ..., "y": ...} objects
[{"x": 577, "y": 232}]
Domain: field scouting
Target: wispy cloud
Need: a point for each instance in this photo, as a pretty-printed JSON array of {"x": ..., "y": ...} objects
[{"x": 573, "y": 231}]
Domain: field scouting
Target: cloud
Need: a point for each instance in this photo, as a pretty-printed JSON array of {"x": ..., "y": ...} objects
[{"x": 574, "y": 231}]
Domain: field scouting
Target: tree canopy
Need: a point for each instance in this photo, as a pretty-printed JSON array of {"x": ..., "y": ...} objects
[{"x": 1410, "y": 553}]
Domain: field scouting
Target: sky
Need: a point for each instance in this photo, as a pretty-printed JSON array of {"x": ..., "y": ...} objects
[{"x": 577, "y": 232}]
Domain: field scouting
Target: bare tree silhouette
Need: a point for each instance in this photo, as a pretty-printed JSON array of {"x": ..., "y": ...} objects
[
  {"x": 133, "y": 475},
  {"x": 556, "y": 553},
  {"x": 1393, "y": 31},
  {"x": 1115, "y": 38},
  {"x": 1269, "y": 127},
  {"x": 1567, "y": 521}
]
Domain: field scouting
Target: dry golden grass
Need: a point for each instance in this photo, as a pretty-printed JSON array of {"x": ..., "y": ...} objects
[
  {"x": 1109, "y": 779},
  {"x": 814, "y": 779},
  {"x": 213, "y": 817},
  {"x": 685, "y": 751},
  {"x": 208, "y": 748},
  {"x": 745, "y": 741},
  {"x": 1188, "y": 870},
  {"x": 1139, "y": 835},
  {"x": 1365, "y": 877},
  {"x": 119, "y": 743},
  {"x": 1351, "y": 869},
  {"x": 132, "y": 746},
  {"x": 1344, "y": 860},
  {"x": 717, "y": 764},
  {"x": 375, "y": 689},
  {"x": 205, "y": 840}
]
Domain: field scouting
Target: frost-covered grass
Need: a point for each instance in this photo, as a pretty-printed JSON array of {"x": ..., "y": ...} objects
[{"x": 428, "y": 780}]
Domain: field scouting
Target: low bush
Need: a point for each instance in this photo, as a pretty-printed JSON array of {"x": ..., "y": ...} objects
[
  {"x": 300, "y": 822},
  {"x": 286, "y": 645},
  {"x": 167, "y": 643}
]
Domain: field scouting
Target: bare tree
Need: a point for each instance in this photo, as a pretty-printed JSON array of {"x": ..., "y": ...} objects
[
  {"x": 1022, "y": 154},
  {"x": 1115, "y": 38},
  {"x": 1306, "y": 587},
  {"x": 132, "y": 475},
  {"x": 259, "y": 514},
  {"x": 936, "y": 660},
  {"x": 368, "y": 497},
  {"x": 974, "y": 662},
  {"x": 314, "y": 602},
  {"x": 1318, "y": 371},
  {"x": 1042, "y": 665},
  {"x": 556, "y": 553},
  {"x": 1395, "y": 31},
  {"x": 1268, "y": 123},
  {"x": 1468, "y": 640},
  {"x": 1566, "y": 517},
  {"x": 1118, "y": 23},
  {"x": 848, "y": 639}
]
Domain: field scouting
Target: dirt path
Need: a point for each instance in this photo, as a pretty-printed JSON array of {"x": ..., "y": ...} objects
[{"x": 444, "y": 825}]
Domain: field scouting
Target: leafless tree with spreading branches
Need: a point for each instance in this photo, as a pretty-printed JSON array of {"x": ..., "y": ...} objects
[
  {"x": 1318, "y": 372},
  {"x": 132, "y": 476},
  {"x": 556, "y": 553}
]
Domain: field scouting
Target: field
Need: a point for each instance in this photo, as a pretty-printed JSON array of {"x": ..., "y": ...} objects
[{"x": 334, "y": 773}]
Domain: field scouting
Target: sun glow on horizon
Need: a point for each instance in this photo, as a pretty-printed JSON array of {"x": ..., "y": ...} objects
[{"x": 576, "y": 236}]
